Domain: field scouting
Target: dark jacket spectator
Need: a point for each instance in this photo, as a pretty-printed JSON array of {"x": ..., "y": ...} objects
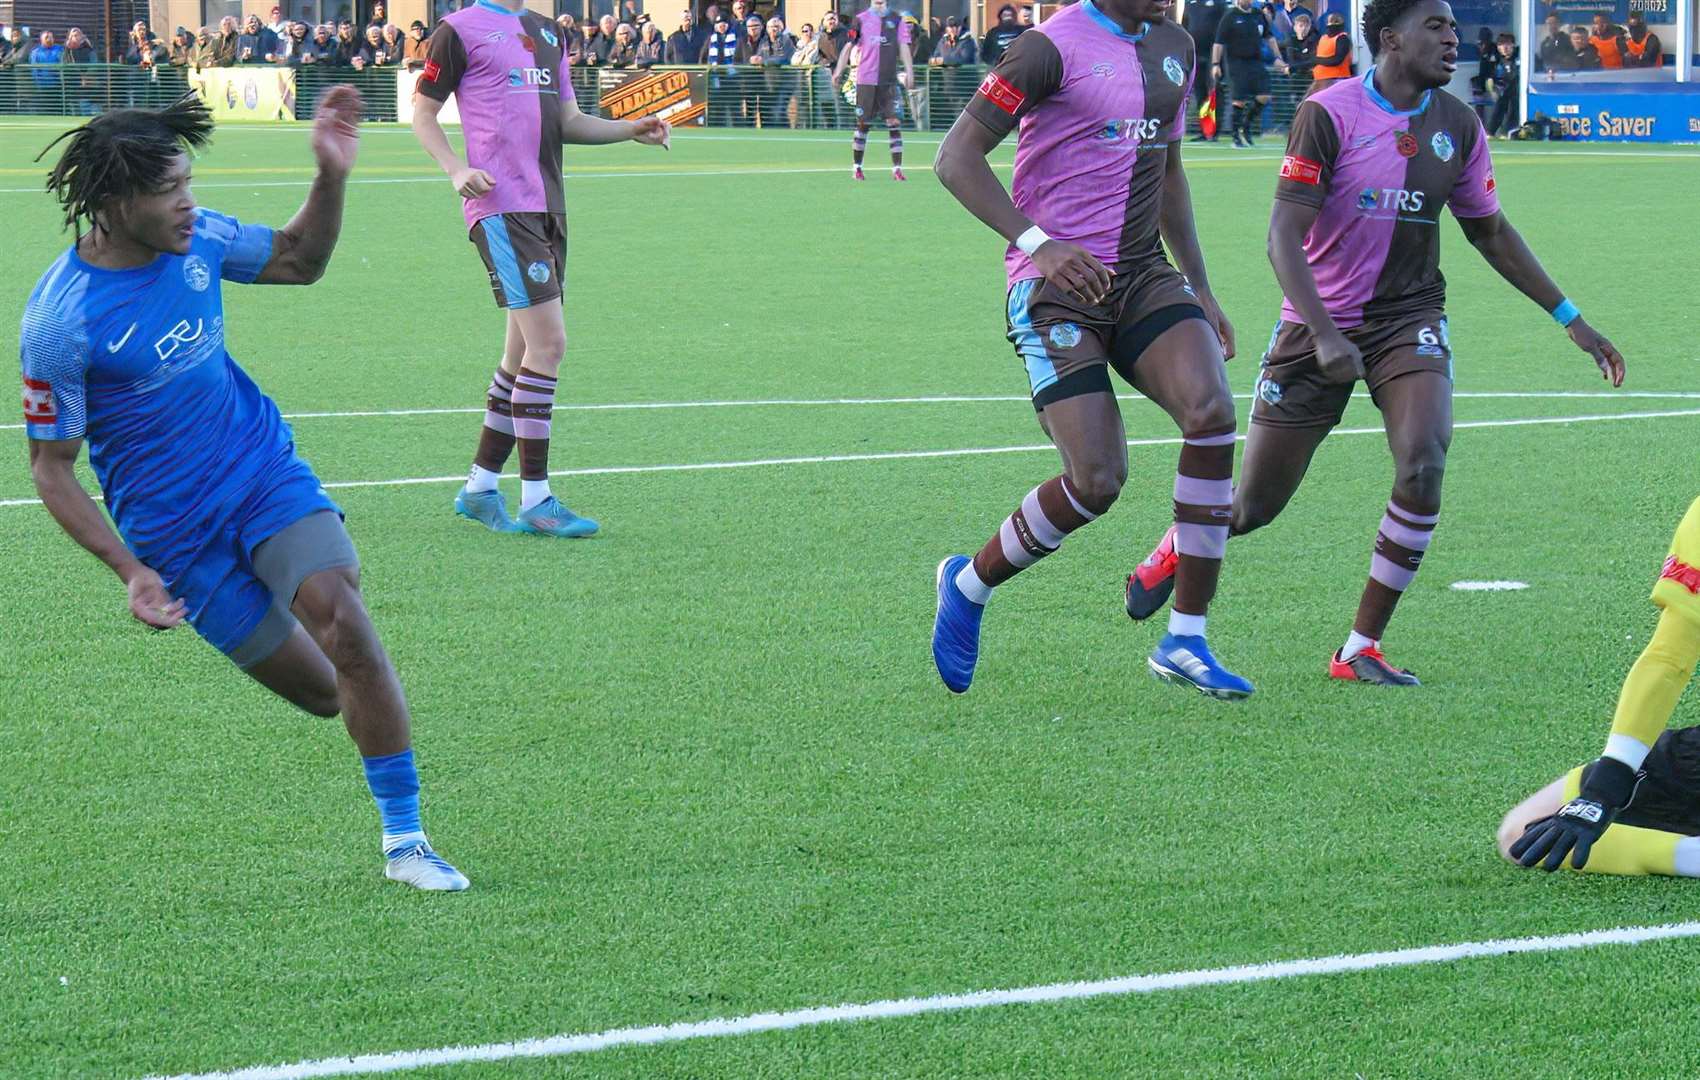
[
  {"x": 1555, "y": 44},
  {"x": 685, "y": 44},
  {"x": 142, "y": 49},
  {"x": 597, "y": 47},
  {"x": 182, "y": 47},
  {"x": 320, "y": 48},
  {"x": 651, "y": 46},
  {"x": 623, "y": 53},
  {"x": 1484, "y": 62},
  {"x": 572, "y": 40},
  {"x": 723, "y": 47},
  {"x": 749, "y": 45},
  {"x": 205, "y": 53},
  {"x": 776, "y": 46},
  {"x": 291, "y": 42},
  {"x": 1299, "y": 50},
  {"x": 373, "y": 51},
  {"x": 256, "y": 44},
  {"x": 997, "y": 39},
  {"x": 347, "y": 45},
  {"x": 79, "y": 49},
  {"x": 833, "y": 35},
  {"x": 224, "y": 44},
  {"x": 955, "y": 48},
  {"x": 1282, "y": 16},
  {"x": 12, "y": 48},
  {"x": 1581, "y": 55},
  {"x": 379, "y": 16},
  {"x": 922, "y": 41},
  {"x": 395, "y": 43},
  {"x": 1641, "y": 49}
]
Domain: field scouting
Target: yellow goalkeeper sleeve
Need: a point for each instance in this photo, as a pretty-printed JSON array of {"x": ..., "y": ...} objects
[
  {"x": 1626, "y": 849},
  {"x": 1658, "y": 678}
]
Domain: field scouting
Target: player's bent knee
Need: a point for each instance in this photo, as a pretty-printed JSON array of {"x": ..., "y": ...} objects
[
  {"x": 1419, "y": 478},
  {"x": 1098, "y": 485},
  {"x": 1250, "y": 517}
]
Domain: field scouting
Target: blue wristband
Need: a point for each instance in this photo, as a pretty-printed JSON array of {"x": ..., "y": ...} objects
[{"x": 1565, "y": 313}]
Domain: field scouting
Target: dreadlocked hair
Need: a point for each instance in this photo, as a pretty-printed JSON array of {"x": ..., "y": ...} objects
[
  {"x": 122, "y": 153},
  {"x": 1380, "y": 15}
]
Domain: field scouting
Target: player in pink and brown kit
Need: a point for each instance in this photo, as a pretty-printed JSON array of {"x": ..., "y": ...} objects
[
  {"x": 1099, "y": 92},
  {"x": 882, "y": 39},
  {"x": 1355, "y": 241},
  {"x": 503, "y": 65}
]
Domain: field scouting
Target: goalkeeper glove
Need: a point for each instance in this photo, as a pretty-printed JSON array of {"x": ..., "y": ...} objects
[{"x": 1579, "y": 823}]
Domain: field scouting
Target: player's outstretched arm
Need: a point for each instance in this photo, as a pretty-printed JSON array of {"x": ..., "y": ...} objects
[
  {"x": 962, "y": 168},
  {"x": 1180, "y": 233},
  {"x": 1504, "y": 249},
  {"x": 302, "y": 249},
  {"x": 582, "y": 129},
  {"x": 1290, "y": 223},
  {"x": 53, "y": 468}
]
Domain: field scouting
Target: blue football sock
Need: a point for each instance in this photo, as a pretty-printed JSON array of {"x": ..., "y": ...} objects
[{"x": 395, "y": 788}]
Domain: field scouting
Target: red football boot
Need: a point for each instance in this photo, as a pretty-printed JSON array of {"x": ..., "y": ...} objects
[
  {"x": 1150, "y": 584},
  {"x": 1369, "y": 666}
]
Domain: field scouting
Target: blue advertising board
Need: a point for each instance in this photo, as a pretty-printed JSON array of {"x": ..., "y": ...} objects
[{"x": 1621, "y": 112}]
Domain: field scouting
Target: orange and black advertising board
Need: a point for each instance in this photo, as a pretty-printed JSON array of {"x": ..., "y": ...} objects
[{"x": 678, "y": 97}]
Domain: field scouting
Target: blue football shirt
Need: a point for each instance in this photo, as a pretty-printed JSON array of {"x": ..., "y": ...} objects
[{"x": 134, "y": 362}]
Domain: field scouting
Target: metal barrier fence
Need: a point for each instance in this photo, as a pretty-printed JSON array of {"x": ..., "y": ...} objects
[{"x": 746, "y": 96}]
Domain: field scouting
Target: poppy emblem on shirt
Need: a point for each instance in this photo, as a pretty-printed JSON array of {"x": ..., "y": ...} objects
[
  {"x": 526, "y": 43},
  {"x": 196, "y": 274},
  {"x": 1065, "y": 335},
  {"x": 1405, "y": 143},
  {"x": 39, "y": 406},
  {"x": 1442, "y": 146},
  {"x": 1172, "y": 68}
]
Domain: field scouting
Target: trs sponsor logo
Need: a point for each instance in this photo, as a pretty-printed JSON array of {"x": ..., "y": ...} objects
[
  {"x": 519, "y": 78},
  {"x": 1398, "y": 200},
  {"x": 39, "y": 406},
  {"x": 1130, "y": 131}
]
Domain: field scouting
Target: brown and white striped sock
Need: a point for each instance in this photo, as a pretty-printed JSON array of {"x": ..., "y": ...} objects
[
  {"x": 1204, "y": 498},
  {"x": 496, "y": 438},
  {"x": 533, "y": 412},
  {"x": 1400, "y": 544},
  {"x": 1048, "y": 514}
]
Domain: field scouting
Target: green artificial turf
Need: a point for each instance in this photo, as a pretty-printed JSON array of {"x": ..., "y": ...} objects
[{"x": 701, "y": 765}]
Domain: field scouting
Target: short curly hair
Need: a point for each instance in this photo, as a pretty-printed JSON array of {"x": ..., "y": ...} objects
[{"x": 1381, "y": 14}]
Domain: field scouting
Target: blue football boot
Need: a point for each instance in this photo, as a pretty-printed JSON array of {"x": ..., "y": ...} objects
[
  {"x": 1186, "y": 660},
  {"x": 550, "y": 518},
  {"x": 956, "y": 629},
  {"x": 488, "y": 508}
]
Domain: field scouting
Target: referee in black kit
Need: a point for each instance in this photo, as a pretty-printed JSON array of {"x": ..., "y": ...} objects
[{"x": 1239, "y": 51}]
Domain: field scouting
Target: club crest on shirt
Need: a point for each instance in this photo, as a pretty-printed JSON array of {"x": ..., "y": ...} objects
[
  {"x": 1442, "y": 146},
  {"x": 549, "y": 36},
  {"x": 1172, "y": 68},
  {"x": 1065, "y": 335},
  {"x": 538, "y": 272},
  {"x": 1367, "y": 198},
  {"x": 1362, "y": 141},
  {"x": 1405, "y": 143},
  {"x": 1103, "y": 71},
  {"x": 196, "y": 274}
]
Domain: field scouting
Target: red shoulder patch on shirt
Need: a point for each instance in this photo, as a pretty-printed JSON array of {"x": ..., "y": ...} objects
[
  {"x": 39, "y": 406},
  {"x": 998, "y": 90},
  {"x": 1680, "y": 572},
  {"x": 432, "y": 70},
  {"x": 1301, "y": 170}
]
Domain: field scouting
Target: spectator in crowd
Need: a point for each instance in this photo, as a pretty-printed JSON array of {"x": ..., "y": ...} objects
[
  {"x": 1641, "y": 49},
  {"x": 651, "y": 46},
  {"x": 1607, "y": 40},
  {"x": 224, "y": 43},
  {"x": 322, "y": 48},
  {"x": 721, "y": 52},
  {"x": 256, "y": 44},
  {"x": 79, "y": 49},
  {"x": 831, "y": 38},
  {"x": 572, "y": 41},
  {"x": 13, "y": 48},
  {"x": 1200, "y": 19},
  {"x": 279, "y": 26},
  {"x": 597, "y": 49},
  {"x": 291, "y": 44},
  {"x": 955, "y": 49},
  {"x": 142, "y": 49},
  {"x": 740, "y": 12},
  {"x": 347, "y": 45},
  {"x": 45, "y": 59},
  {"x": 1484, "y": 69},
  {"x": 684, "y": 45},
  {"x": 808, "y": 49},
  {"x": 379, "y": 16},
  {"x": 395, "y": 44},
  {"x": 921, "y": 38},
  {"x": 1333, "y": 52},
  {"x": 371, "y": 52},
  {"x": 749, "y": 45},
  {"x": 414, "y": 47},
  {"x": 1505, "y": 87},
  {"x": 1581, "y": 56},
  {"x": 1555, "y": 45},
  {"x": 624, "y": 52},
  {"x": 774, "y": 52},
  {"x": 182, "y": 52},
  {"x": 1024, "y": 17},
  {"x": 998, "y": 37},
  {"x": 1284, "y": 15},
  {"x": 1299, "y": 50}
]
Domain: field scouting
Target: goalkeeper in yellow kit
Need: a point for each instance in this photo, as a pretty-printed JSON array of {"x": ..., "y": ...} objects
[{"x": 1635, "y": 809}]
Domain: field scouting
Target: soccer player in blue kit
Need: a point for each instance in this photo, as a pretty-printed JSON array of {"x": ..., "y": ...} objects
[{"x": 223, "y": 524}]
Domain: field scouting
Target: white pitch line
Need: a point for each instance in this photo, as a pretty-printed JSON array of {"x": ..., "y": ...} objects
[
  {"x": 912, "y": 455},
  {"x": 890, "y": 1009},
  {"x": 923, "y": 399}
]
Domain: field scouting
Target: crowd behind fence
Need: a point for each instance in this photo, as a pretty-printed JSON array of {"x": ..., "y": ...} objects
[{"x": 740, "y": 96}]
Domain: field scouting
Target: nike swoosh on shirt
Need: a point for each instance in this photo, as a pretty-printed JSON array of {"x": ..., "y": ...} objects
[{"x": 114, "y": 346}]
